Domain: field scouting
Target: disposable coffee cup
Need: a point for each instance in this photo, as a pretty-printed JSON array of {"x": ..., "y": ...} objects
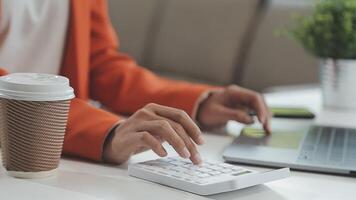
[{"x": 33, "y": 118}]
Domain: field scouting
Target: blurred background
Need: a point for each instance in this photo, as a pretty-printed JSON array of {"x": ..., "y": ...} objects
[{"x": 216, "y": 41}]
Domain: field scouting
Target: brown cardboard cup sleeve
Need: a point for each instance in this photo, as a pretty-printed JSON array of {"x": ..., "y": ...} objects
[{"x": 33, "y": 116}]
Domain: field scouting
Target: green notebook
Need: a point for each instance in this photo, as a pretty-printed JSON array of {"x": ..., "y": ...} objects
[
  {"x": 292, "y": 112},
  {"x": 289, "y": 112}
]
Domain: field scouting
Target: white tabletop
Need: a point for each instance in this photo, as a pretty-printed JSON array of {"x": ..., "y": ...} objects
[{"x": 95, "y": 180}]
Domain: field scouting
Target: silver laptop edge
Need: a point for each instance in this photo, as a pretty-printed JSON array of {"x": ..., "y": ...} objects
[{"x": 265, "y": 155}]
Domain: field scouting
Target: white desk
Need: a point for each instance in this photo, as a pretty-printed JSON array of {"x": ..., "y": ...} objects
[{"x": 113, "y": 182}]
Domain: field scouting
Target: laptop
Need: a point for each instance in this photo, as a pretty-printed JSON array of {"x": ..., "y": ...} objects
[{"x": 313, "y": 148}]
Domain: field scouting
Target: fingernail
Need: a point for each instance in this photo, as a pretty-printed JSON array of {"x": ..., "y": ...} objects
[
  {"x": 249, "y": 120},
  {"x": 268, "y": 129},
  {"x": 197, "y": 158},
  {"x": 165, "y": 152},
  {"x": 200, "y": 140},
  {"x": 186, "y": 153},
  {"x": 263, "y": 120}
]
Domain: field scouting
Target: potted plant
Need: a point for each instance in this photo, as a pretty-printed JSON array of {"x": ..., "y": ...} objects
[{"x": 330, "y": 34}]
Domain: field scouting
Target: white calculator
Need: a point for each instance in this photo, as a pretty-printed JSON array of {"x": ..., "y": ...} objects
[{"x": 206, "y": 179}]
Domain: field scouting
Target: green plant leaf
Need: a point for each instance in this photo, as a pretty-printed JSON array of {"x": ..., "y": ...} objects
[{"x": 329, "y": 32}]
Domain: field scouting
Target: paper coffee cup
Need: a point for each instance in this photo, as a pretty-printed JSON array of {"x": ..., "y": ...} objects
[{"x": 33, "y": 117}]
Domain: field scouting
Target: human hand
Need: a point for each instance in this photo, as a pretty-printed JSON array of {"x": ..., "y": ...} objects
[
  {"x": 233, "y": 103},
  {"x": 148, "y": 128}
]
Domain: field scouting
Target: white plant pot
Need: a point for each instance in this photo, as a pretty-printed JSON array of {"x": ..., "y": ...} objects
[{"x": 338, "y": 81}]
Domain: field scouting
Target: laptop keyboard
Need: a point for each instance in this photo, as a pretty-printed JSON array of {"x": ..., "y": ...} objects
[{"x": 329, "y": 146}]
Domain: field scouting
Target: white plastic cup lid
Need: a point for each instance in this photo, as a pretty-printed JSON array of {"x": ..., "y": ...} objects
[{"x": 35, "y": 87}]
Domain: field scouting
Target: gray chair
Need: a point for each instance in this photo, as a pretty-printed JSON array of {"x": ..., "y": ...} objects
[{"x": 213, "y": 41}]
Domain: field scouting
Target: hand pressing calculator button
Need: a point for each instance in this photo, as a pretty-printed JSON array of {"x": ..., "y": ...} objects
[{"x": 206, "y": 179}]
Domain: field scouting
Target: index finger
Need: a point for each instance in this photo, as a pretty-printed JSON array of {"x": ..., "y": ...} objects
[
  {"x": 257, "y": 103},
  {"x": 182, "y": 118}
]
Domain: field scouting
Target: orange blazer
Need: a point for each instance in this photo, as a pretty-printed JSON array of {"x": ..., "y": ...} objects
[{"x": 97, "y": 71}]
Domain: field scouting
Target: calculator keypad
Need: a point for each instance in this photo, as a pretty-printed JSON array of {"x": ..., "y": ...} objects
[{"x": 184, "y": 170}]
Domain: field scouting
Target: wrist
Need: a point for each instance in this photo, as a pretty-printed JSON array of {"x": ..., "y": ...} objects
[
  {"x": 198, "y": 103},
  {"x": 200, "y": 111},
  {"x": 108, "y": 148},
  {"x": 207, "y": 118}
]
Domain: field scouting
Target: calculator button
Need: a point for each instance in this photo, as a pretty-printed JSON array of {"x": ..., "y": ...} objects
[
  {"x": 188, "y": 180},
  {"x": 214, "y": 173},
  {"x": 204, "y": 169},
  {"x": 173, "y": 170},
  {"x": 147, "y": 167},
  {"x": 215, "y": 168},
  {"x": 176, "y": 163},
  {"x": 185, "y": 162},
  {"x": 203, "y": 175},
  {"x": 241, "y": 173},
  {"x": 185, "y": 167},
  {"x": 205, "y": 165},
  {"x": 195, "y": 167},
  {"x": 185, "y": 176},
  {"x": 176, "y": 176},
  {"x": 165, "y": 159},
  {"x": 157, "y": 169},
  {"x": 210, "y": 163},
  {"x": 225, "y": 165},
  {"x": 179, "y": 169},
  {"x": 226, "y": 171},
  {"x": 193, "y": 173},
  {"x": 159, "y": 164}
]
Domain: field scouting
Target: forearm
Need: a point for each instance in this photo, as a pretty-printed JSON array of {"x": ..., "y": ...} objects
[{"x": 126, "y": 89}]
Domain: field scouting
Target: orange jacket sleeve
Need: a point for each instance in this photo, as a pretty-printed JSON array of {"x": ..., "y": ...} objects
[
  {"x": 123, "y": 86},
  {"x": 87, "y": 128}
]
